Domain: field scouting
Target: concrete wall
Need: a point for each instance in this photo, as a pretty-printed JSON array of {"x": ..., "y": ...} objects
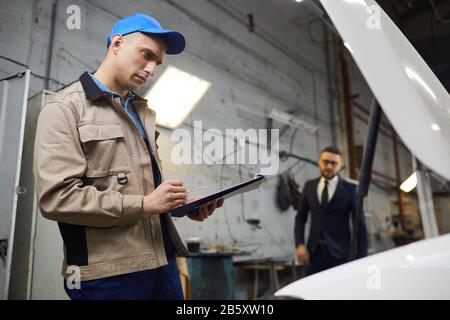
[{"x": 280, "y": 65}]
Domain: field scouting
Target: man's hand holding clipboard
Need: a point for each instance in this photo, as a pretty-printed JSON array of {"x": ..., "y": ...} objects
[
  {"x": 205, "y": 210},
  {"x": 200, "y": 208}
]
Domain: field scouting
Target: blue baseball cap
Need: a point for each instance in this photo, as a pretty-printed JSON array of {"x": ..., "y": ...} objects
[{"x": 139, "y": 22}]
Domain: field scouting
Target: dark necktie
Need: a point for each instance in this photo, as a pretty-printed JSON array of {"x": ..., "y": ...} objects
[{"x": 325, "y": 194}]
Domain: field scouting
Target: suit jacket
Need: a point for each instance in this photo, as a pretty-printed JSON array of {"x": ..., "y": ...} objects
[{"x": 332, "y": 219}]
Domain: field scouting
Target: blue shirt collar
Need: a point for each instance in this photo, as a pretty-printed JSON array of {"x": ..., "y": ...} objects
[
  {"x": 94, "y": 92},
  {"x": 105, "y": 89}
]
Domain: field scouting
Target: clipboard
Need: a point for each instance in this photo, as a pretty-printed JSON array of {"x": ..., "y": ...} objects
[{"x": 224, "y": 194}]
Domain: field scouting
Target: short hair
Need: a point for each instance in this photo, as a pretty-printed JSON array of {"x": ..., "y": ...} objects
[
  {"x": 153, "y": 36},
  {"x": 331, "y": 149}
]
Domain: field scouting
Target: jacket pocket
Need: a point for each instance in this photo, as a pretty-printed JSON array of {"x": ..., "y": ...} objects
[{"x": 105, "y": 152}]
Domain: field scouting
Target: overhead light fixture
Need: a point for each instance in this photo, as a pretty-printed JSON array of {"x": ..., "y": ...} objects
[
  {"x": 175, "y": 95},
  {"x": 291, "y": 120},
  {"x": 298, "y": 0},
  {"x": 410, "y": 183},
  {"x": 435, "y": 127}
]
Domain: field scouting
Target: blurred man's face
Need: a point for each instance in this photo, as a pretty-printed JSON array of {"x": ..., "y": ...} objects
[
  {"x": 136, "y": 58},
  {"x": 329, "y": 164}
]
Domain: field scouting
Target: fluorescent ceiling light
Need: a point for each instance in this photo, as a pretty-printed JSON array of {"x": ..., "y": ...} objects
[
  {"x": 409, "y": 184},
  {"x": 291, "y": 120},
  {"x": 175, "y": 95},
  {"x": 435, "y": 127}
]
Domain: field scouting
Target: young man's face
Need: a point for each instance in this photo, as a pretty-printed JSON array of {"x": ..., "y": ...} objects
[
  {"x": 136, "y": 58},
  {"x": 329, "y": 164}
]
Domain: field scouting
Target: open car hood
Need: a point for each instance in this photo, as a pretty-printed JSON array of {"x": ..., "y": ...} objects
[
  {"x": 411, "y": 96},
  {"x": 418, "y": 107},
  {"x": 416, "y": 271}
]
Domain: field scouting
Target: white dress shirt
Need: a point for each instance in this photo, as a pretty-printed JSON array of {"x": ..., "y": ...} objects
[{"x": 332, "y": 184}]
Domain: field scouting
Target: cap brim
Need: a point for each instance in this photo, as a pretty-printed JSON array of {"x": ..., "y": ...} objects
[{"x": 175, "y": 41}]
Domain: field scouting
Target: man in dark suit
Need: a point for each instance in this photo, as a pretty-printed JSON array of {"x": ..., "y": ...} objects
[{"x": 330, "y": 199}]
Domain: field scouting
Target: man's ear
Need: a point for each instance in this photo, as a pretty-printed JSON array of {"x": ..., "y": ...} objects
[{"x": 116, "y": 43}]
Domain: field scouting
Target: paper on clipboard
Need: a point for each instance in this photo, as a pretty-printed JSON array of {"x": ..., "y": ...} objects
[{"x": 224, "y": 194}]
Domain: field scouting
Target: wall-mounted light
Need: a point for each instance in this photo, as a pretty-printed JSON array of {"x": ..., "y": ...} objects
[
  {"x": 410, "y": 183},
  {"x": 175, "y": 95},
  {"x": 291, "y": 120},
  {"x": 435, "y": 127}
]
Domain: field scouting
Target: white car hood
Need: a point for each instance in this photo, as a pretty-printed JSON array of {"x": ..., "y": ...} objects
[
  {"x": 411, "y": 96},
  {"x": 418, "y": 106},
  {"x": 416, "y": 271}
]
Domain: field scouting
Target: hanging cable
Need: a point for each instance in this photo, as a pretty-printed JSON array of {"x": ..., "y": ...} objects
[
  {"x": 32, "y": 73},
  {"x": 292, "y": 140},
  {"x": 14, "y": 61}
]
